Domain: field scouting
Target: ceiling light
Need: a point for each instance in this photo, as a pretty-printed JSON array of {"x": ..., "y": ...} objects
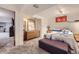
[{"x": 61, "y": 11}]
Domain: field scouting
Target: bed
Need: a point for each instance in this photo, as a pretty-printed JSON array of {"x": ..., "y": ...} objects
[{"x": 65, "y": 37}]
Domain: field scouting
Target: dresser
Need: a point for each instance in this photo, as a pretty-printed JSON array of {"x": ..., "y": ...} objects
[{"x": 31, "y": 34}]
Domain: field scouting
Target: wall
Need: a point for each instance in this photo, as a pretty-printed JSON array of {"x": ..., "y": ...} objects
[
  {"x": 7, "y": 22},
  {"x": 44, "y": 24},
  {"x": 70, "y": 10},
  {"x": 56, "y": 25},
  {"x": 73, "y": 26},
  {"x": 6, "y": 18},
  {"x": 19, "y": 28}
]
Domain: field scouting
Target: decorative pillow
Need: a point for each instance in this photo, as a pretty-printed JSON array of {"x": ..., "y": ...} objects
[
  {"x": 57, "y": 37},
  {"x": 47, "y": 36}
]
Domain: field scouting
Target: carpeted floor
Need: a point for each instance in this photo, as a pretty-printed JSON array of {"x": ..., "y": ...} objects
[{"x": 29, "y": 47}]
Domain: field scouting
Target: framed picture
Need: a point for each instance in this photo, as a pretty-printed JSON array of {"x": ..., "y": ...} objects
[{"x": 61, "y": 19}]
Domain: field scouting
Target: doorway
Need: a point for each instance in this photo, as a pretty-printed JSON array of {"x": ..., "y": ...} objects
[{"x": 7, "y": 28}]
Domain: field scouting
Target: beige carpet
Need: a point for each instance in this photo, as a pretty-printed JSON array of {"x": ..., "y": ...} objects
[{"x": 29, "y": 47}]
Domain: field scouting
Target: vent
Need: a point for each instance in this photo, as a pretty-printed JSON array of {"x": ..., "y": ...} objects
[{"x": 36, "y": 6}]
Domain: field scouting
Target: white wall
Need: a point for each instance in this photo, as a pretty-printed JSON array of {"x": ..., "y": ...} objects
[
  {"x": 19, "y": 28},
  {"x": 44, "y": 24},
  {"x": 74, "y": 27}
]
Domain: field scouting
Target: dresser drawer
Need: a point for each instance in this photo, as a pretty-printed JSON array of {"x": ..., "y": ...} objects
[{"x": 33, "y": 34}]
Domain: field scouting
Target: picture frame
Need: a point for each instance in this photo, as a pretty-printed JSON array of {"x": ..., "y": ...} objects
[{"x": 61, "y": 19}]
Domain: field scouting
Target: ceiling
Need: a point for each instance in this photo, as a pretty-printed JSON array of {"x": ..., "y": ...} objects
[
  {"x": 71, "y": 10},
  {"x": 49, "y": 10},
  {"x": 5, "y": 13},
  {"x": 28, "y": 9}
]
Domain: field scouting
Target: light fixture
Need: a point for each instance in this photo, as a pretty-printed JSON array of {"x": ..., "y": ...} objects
[{"x": 61, "y": 11}]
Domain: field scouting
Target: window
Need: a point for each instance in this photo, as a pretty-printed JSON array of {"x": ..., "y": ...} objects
[{"x": 31, "y": 25}]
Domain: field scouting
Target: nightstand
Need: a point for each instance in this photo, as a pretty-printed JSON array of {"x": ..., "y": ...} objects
[{"x": 76, "y": 37}]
